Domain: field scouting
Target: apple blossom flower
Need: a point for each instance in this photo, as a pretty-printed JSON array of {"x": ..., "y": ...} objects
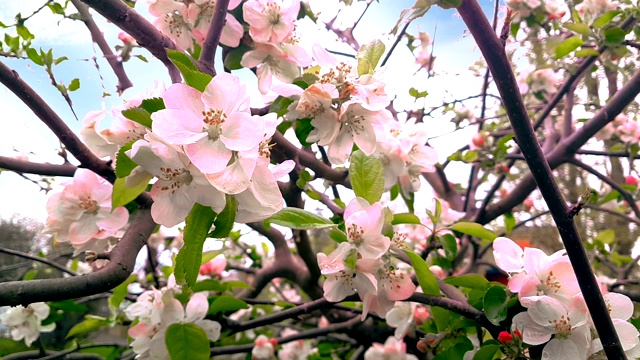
[
  {"x": 89, "y": 134},
  {"x": 294, "y": 350},
  {"x": 180, "y": 184},
  {"x": 401, "y": 317},
  {"x": 363, "y": 223},
  {"x": 547, "y": 317},
  {"x": 200, "y": 12},
  {"x": 392, "y": 349},
  {"x": 270, "y": 20},
  {"x": 209, "y": 125},
  {"x": 592, "y": 9},
  {"x": 629, "y": 132},
  {"x": 214, "y": 267},
  {"x": 176, "y": 25},
  {"x": 523, "y": 7},
  {"x": 545, "y": 80},
  {"x": 26, "y": 322},
  {"x": 157, "y": 311},
  {"x": 281, "y": 61},
  {"x": 356, "y": 126},
  {"x": 82, "y": 214},
  {"x": 393, "y": 285},
  {"x": 262, "y": 348}
]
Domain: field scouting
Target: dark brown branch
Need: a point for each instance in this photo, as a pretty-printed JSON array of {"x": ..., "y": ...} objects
[
  {"x": 53, "y": 264},
  {"x": 306, "y": 159},
  {"x": 96, "y": 35},
  {"x": 625, "y": 194},
  {"x": 498, "y": 62},
  {"x": 143, "y": 31},
  {"x": 208, "y": 54},
  {"x": 80, "y": 151},
  {"x": 118, "y": 269},
  {"x": 28, "y": 167},
  {"x": 307, "y": 334}
]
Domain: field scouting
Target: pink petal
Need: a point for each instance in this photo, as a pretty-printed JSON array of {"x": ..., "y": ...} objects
[
  {"x": 177, "y": 126},
  {"x": 208, "y": 156},
  {"x": 183, "y": 97}
]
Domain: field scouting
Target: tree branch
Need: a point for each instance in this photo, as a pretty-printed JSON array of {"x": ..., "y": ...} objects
[
  {"x": 505, "y": 80},
  {"x": 117, "y": 66},
  {"x": 80, "y": 151},
  {"x": 143, "y": 31},
  {"x": 28, "y": 167},
  {"x": 120, "y": 266},
  {"x": 208, "y": 54},
  {"x": 53, "y": 264}
]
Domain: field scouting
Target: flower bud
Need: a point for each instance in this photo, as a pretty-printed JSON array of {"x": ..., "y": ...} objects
[{"x": 505, "y": 337}]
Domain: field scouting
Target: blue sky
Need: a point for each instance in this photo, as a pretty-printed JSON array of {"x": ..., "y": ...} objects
[{"x": 455, "y": 52}]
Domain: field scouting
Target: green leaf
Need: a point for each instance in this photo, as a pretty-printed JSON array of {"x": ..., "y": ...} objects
[
  {"x": 124, "y": 164},
  {"x": 90, "y": 323},
  {"x": 139, "y": 115},
  {"x": 234, "y": 57},
  {"x": 474, "y": 229},
  {"x": 426, "y": 279},
  {"x": 405, "y": 218},
  {"x": 587, "y": 53},
  {"x": 60, "y": 59},
  {"x": 187, "y": 342},
  {"x": 495, "y": 300},
  {"x": 486, "y": 352},
  {"x": 605, "y": 19},
  {"x": 152, "y": 105},
  {"x": 223, "y": 223},
  {"x": 567, "y": 46},
  {"x": 74, "y": 85},
  {"x": 606, "y": 237},
  {"x": 509, "y": 221},
  {"x": 579, "y": 28},
  {"x": 120, "y": 292},
  {"x": 298, "y": 219},
  {"x": 417, "y": 94},
  {"x": 614, "y": 36},
  {"x": 338, "y": 235},
  {"x": 198, "y": 224},
  {"x": 367, "y": 176},
  {"x": 24, "y": 33},
  {"x": 369, "y": 55},
  {"x": 450, "y": 246},
  {"x": 122, "y": 194},
  {"x": 34, "y": 56},
  {"x": 302, "y": 130},
  {"x": 56, "y": 8},
  {"x": 469, "y": 281},
  {"x": 192, "y": 77},
  {"x": 449, "y": 4},
  {"x": 408, "y": 15},
  {"x": 470, "y": 156},
  {"x": 226, "y": 304}
]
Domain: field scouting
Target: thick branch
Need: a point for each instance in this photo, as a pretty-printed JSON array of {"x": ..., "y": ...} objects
[
  {"x": 120, "y": 266},
  {"x": 80, "y": 151},
  {"x": 117, "y": 66},
  {"x": 208, "y": 54},
  {"x": 28, "y": 167},
  {"x": 143, "y": 31},
  {"x": 505, "y": 80}
]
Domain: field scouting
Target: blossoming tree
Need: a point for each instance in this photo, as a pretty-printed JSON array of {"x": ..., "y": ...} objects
[{"x": 305, "y": 228}]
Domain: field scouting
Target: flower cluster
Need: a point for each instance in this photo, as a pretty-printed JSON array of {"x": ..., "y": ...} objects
[
  {"x": 156, "y": 310},
  {"x": 185, "y": 21},
  {"x": 205, "y": 145},
  {"x": 556, "y": 311},
  {"x": 593, "y": 9},
  {"x": 362, "y": 264},
  {"x": 276, "y": 53},
  {"x": 551, "y": 9},
  {"x": 105, "y": 142},
  {"x": 391, "y": 349},
  {"x": 81, "y": 213},
  {"x": 26, "y": 322},
  {"x": 539, "y": 81}
]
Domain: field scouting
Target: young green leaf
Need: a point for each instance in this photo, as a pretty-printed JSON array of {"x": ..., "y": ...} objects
[
  {"x": 470, "y": 281},
  {"x": 122, "y": 194},
  {"x": 187, "y": 342},
  {"x": 223, "y": 223},
  {"x": 369, "y": 55},
  {"x": 198, "y": 224},
  {"x": 567, "y": 46},
  {"x": 192, "y": 77},
  {"x": 495, "y": 300},
  {"x": 367, "y": 176},
  {"x": 124, "y": 164},
  {"x": 226, "y": 303},
  {"x": 298, "y": 219},
  {"x": 426, "y": 279},
  {"x": 405, "y": 218},
  {"x": 139, "y": 115},
  {"x": 474, "y": 229}
]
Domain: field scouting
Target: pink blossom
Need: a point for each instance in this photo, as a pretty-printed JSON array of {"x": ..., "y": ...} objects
[
  {"x": 214, "y": 267},
  {"x": 270, "y": 20},
  {"x": 81, "y": 213},
  {"x": 272, "y": 60},
  {"x": 392, "y": 349}
]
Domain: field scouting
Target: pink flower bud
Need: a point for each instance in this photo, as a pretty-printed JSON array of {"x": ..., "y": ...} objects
[
  {"x": 126, "y": 38},
  {"x": 505, "y": 337}
]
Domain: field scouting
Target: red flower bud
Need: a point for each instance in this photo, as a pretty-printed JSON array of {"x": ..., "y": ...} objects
[
  {"x": 478, "y": 141},
  {"x": 273, "y": 341},
  {"x": 517, "y": 333},
  {"x": 631, "y": 180},
  {"x": 505, "y": 337}
]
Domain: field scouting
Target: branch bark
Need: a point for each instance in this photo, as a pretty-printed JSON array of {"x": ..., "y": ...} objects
[
  {"x": 120, "y": 266},
  {"x": 500, "y": 67},
  {"x": 208, "y": 54}
]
